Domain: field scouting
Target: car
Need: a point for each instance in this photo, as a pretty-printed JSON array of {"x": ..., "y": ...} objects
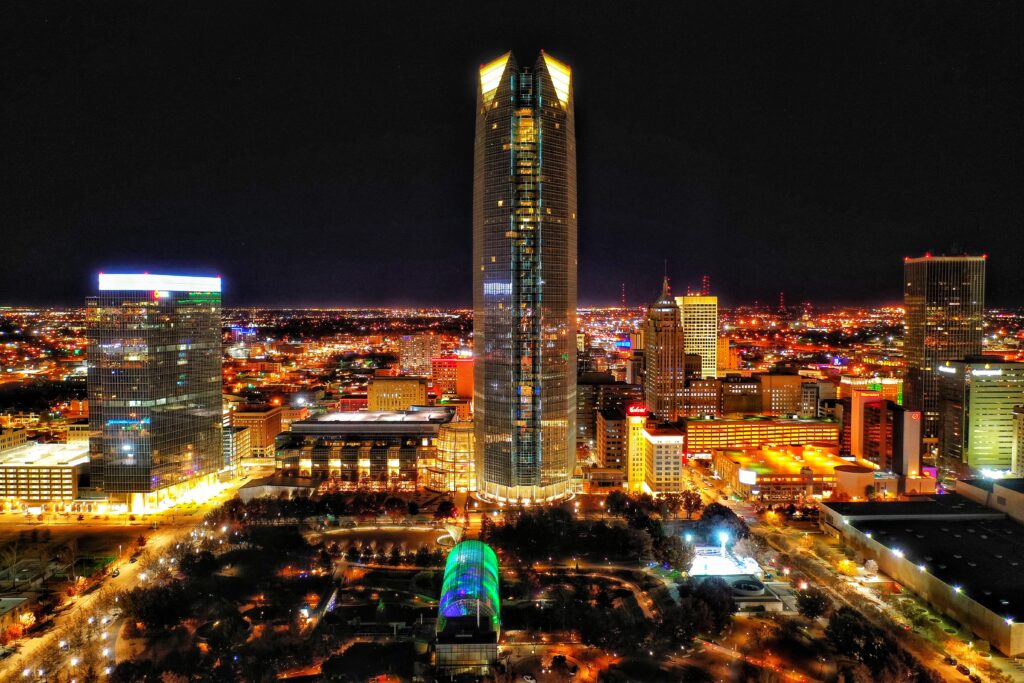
[
  {"x": 529, "y": 679},
  {"x": 116, "y": 573},
  {"x": 81, "y": 518},
  {"x": 133, "y": 560},
  {"x": 964, "y": 670},
  {"x": 974, "y": 678},
  {"x": 949, "y": 659}
]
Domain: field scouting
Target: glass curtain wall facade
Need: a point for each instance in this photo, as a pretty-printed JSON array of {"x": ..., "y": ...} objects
[
  {"x": 154, "y": 383},
  {"x": 944, "y": 297},
  {"x": 524, "y": 280},
  {"x": 700, "y": 330}
]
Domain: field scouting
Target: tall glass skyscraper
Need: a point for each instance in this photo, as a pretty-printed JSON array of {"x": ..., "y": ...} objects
[
  {"x": 154, "y": 383},
  {"x": 944, "y": 297},
  {"x": 524, "y": 280}
]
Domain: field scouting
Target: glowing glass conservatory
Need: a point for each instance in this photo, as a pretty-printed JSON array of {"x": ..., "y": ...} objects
[{"x": 468, "y": 618}]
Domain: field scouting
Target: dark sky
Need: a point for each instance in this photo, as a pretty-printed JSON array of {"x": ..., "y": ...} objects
[{"x": 321, "y": 153}]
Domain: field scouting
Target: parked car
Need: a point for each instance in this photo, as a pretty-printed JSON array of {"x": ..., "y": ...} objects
[
  {"x": 949, "y": 659},
  {"x": 116, "y": 573},
  {"x": 964, "y": 670}
]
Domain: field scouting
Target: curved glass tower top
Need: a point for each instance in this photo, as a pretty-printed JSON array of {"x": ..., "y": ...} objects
[{"x": 524, "y": 280}]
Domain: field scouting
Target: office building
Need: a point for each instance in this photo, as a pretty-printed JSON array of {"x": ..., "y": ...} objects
[
  {"x": 699, "y": 315},
  {"x": 781, "y": 394},
  {"x": 812, "y": 393},
  {"x": 415, "y": 351},
  {"x": 612, "y": 439},
  {"x": 264, "y": 423},
  {"x": 469, "y": 612},
  {"x": 376, "y": 449},
  {"x": 636, "y": 447},
  {"x": 154, "y": 383},
  {"x": 977, "y": 398},
  {"x": 663, "y": 459},
  {"x": 596, "y": 391},
  {"x": 452, "y": 375},
  {"x": 944, "y": 297},
  {"x": 664, "y": 358},
  {"x": 524, "y": 280},
  {"x": 728, "y": 356},
  {"x": 238, "y": 449},
  {"x": 396, "y": 393},
  {"x": 12, "y": 438},
  {"x": 891, "y": 437},
  {"x": 741, "y": 395},
  {"x": 703, "y": 397}
]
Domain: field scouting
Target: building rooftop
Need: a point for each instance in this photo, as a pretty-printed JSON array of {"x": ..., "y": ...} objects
[
  {"x": 1016, "y": 485},
  {"x": 46, "y": 455},
  {"x": 746, "y": 419},
  {"x": 984, "y": 557},
  {"x": 921, "y": 507},
  {"x": 416, "y": 419},
  {"x": 820, "y": 458}
]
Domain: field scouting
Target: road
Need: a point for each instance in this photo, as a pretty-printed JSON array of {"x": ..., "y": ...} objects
[{"x": 131, "y": 575}]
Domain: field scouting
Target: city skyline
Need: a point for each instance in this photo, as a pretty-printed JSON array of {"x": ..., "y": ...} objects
[{"x": 265, "y": 159}]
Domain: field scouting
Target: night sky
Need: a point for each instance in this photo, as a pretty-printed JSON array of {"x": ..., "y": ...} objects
[{"x": 321, "y": 154}]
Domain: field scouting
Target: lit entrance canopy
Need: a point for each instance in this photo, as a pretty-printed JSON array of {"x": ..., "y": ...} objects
[
  {"x": 470, "y": 585},
  {"x": 127, "y": 282}
]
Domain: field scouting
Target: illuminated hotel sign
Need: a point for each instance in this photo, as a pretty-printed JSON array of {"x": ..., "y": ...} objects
[
  {"x": 128, "y": 282},
  {"x": 748, "y": 477},
  {"x": 636, "y": 410},
  {"x": 944, "y": 368}
]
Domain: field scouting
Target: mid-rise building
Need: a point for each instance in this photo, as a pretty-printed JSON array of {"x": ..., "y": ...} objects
[
  {"x": 612, "y": 439},
  {"x": 741, "y": 394},
  {"x": 781, "y": 394},
  {"x": 396, "y": 393},
  {"x": 12, "y": 438},
  {"x": 596, "y": 391},
  {"x": 664, "y": 358},
  {"x": 238, "y": 448},
  {"x": 264, "y": 423},
  {"x": 703, "y": 397},
  {"x": 452, "y": 375},
  {"x": 978, "y": 397},
  {"x": 728, "y": 356},
  {"x": 663, "y": 459},
  {"x": 374, "y": 449},
  {"x": 699, "y": 314},
  {"x": 524, "y": 287},
  {"x": 154, "y": 383},
  {"x": 812, "y": 393},
  {"x": 944, "y": 298},
  {"x": 415, "y": 352},
  {"x": 43, "y": 476}
]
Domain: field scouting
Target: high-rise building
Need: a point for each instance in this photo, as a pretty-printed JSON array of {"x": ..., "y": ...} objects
[
  {"x": 524, "y": 279},
  {"x": 636, "y": 448},
  {"x": 452, "y": 375},
  {"x": 977, "y": 401},
  {"x": 700, "y": 330},
  {"x": 154, "y": 384},
  {"x": 415, "y": 352},
  {"x": 664, "y": 357},
  {"x": 944, "y": 297}
]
